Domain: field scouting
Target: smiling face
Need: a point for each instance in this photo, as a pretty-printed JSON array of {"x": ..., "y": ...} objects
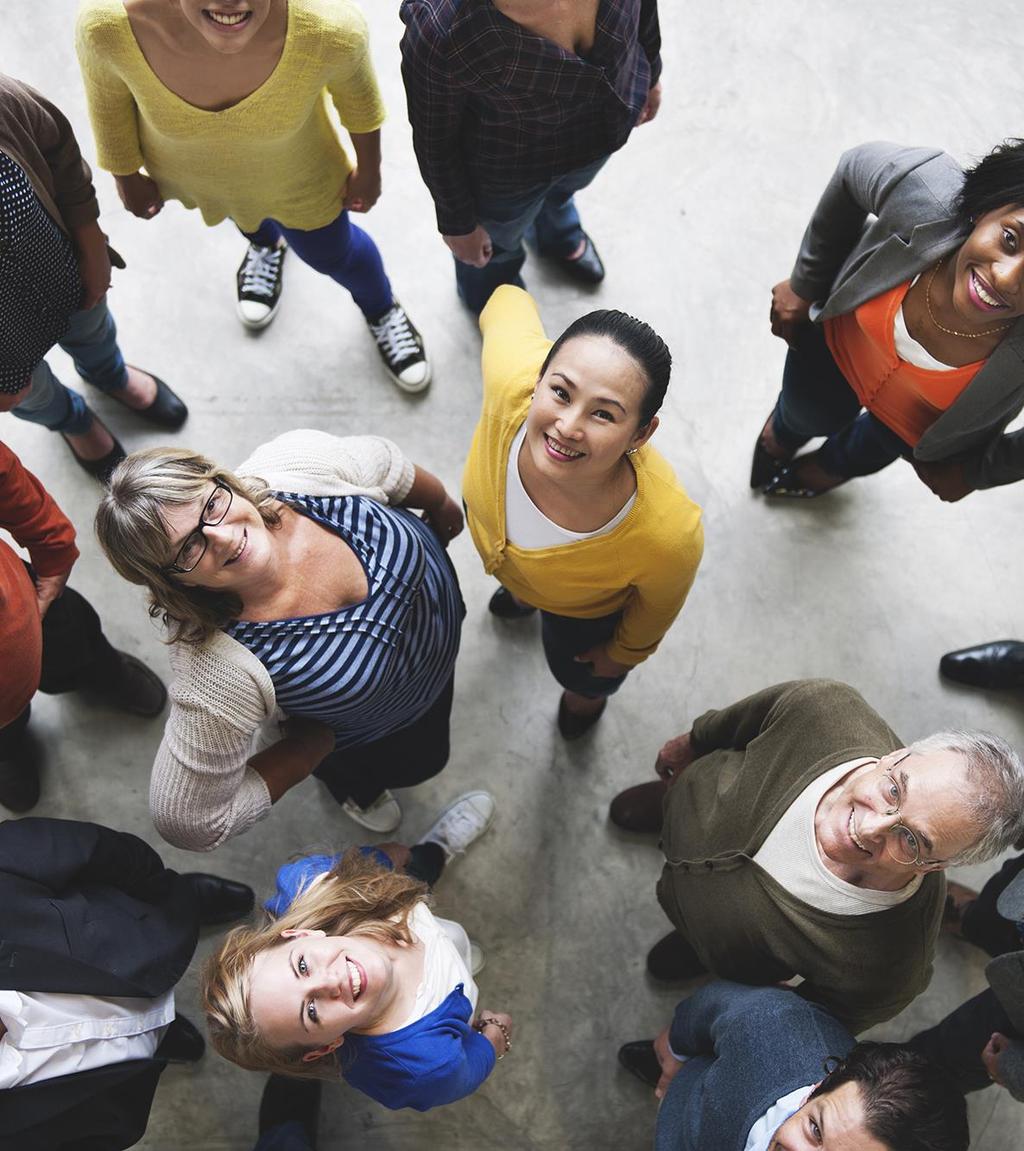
[
  {"x": 227, "y": 25},
  {"x": 313, "y": 988},
  {"x": 860, "y": 834},
  {"x": 834, "y": 1121},
  {"x": 585, "y": 413},
  {"x": 988, "y": 283}
]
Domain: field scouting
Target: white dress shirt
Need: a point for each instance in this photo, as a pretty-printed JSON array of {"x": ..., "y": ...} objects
[{"x": 763, "y": 1131}]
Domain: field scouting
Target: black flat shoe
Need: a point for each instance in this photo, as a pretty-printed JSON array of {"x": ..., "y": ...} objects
[
  {"x": 764, "y": 467},
  {"x": 505, "y": 607},
  {"x": 167, "y": 409},
  {"x": 639, "y": 1059},
  {"x": 102, "y": 468},
  {"x": 220, "y": 900},
  {"x": 571, "y": 725},
  {"x": 672, "y": 960},
  {"x": 587, "y": 268},
  {"x": 134, "y": 688},
  {"x": 182, "y": 1042},
  {"x": 996, "y": 664}
]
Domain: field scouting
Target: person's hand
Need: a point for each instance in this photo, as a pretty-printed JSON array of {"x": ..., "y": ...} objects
[
  {"x": 446, "y": 520},
  {"x": 789, "y": 312},
  {"x": 495, "y": 1034},
  {"x": 140, "y": 195},
  {"x": 93, "y": 263},
  {"x": 670, "y": 1065},
  {"x": 675, "y": 757},
  {"x": 398, "y": 853},
  {"x": 315, "y": 737},
  {"x": 362, "y": 189},
  {"x": 651, "y": 106},
  {"x": 945, "y": 478},
  {"x": 48, "y": 588},
  {"x": 475, "y": 249},
  {"x": 601, "y": 662},
  {"x": 993, "y": 1049},
  {"x": 10, "y": 400}
]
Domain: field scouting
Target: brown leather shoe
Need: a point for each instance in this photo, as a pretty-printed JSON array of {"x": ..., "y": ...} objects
[{"x": 639, "y": 808}]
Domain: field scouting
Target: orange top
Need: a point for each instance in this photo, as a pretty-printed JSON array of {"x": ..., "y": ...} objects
[{"x": 906, "y": 398}]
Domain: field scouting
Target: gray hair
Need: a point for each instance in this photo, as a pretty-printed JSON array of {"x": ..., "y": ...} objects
[{"x": 996, "y": 798}]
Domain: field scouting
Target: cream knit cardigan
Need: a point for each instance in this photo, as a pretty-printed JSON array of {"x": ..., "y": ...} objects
[{"x": 223, "y": 706}]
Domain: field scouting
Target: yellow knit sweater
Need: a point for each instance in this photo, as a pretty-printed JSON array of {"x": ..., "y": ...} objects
[
  {"x": 274, "y": 154},
  {"x": 645, "y": 566}
]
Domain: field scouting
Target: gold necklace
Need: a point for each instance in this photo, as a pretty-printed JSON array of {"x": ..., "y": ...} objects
[{"x": 953, "y": 331}]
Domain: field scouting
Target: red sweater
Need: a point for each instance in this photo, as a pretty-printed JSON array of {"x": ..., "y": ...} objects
[{"x": 28, "y": 512}]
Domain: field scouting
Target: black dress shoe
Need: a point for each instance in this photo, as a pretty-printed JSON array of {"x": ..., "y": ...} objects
[
  {"x": 764, "y": 467},
  {"x": 182, "y": 1043},
  {"x": 672, "y": 959},
  {"x": 571, "y": 725},
  {"x": 102, "y": 468},
  {"x": 167, "y": 409},
  {"x": 504, "y": 606},
  {"x": 996, "y": 664},
  {"x": 587, "y": 268},
  {"x": 639, "y": 1059},
  {"x": 639, "y": 808},
  {"x": 287, "y": 1100},
  {"x": 220, "y": 900},
  {"x": 133, "y": 688},
  {"x": 19, "y": 775}
]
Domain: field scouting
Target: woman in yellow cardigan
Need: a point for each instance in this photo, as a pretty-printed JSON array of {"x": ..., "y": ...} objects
[
  {"x": 225, "y": 105},
  {"x": 568, "y": 505}
]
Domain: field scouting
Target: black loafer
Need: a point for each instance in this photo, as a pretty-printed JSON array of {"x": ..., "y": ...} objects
[
  {"x": 220, "y": 900},
  {"x": 505, "y": 607},
  {"x": 102, "y": 468},
  {"x": 996, "y": 664},
  {"x": 167, "y": 409},
  {"x": 19, "y": 775},
  {"x": 639, "y": 1059},
  {"x": 587, "y": 268},
  {"x": 571, "y": 725},
  {"x": 673, "y": 960},
  {"x": 640, "y": 808},
  {"x": 133, "y": 688},
  {"x": 182, "y": 1042}
]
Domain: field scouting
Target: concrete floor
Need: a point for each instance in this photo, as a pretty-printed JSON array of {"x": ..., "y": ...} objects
[{"x": 696, "y": 219}]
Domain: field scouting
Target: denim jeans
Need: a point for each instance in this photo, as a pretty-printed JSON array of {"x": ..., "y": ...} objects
[
  {"x": 565, "y": 638},
  {"x": 339, "y": 250},
  {"x": 91, "y": 342},
  {"x": 545, "y": 214},
  {"x": 816, "y": 400}
]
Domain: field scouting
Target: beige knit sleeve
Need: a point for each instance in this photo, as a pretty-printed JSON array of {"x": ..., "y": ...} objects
[{"x": 202, "y": 791}]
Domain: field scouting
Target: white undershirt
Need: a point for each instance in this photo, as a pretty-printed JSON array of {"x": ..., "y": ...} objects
[
  {"x": 763, "y": 1131},
  {"x": 446, "y": 962},
  {"x": 51, "y": 1034},
  {"x": 527, "y": 526},
  {"x": 790, "y": 856},
  {"x": 909, "y": 350}
]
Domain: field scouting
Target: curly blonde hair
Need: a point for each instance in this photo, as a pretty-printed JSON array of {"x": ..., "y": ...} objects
[{"x": 357, "y": 896}]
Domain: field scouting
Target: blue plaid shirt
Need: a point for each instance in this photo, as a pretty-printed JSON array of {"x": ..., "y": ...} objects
[{"x": 496, "y": 109}]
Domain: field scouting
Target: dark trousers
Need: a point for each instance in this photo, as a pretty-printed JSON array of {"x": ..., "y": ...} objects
[
  {"x": 816, "y": 400},
  {"x": 565, "y": 638},
  {"x": 402, "y": 758},
  {"x": 76, "y": 654}
]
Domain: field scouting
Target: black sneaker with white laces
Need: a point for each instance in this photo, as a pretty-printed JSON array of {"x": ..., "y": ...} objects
[
  {"x": 259, "y": 280},
  {"x": 401, "y": 348}
]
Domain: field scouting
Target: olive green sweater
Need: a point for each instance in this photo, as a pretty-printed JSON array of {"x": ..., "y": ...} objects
[{"x": 754, "y": 759}]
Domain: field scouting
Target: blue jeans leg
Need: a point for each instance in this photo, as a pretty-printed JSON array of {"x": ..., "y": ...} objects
[
  {"x": 557, "y": 228},
  {"x": 565, "y": 638},
  {"x": 341, "y": 251},
  {"x": 91, "y": 342}
]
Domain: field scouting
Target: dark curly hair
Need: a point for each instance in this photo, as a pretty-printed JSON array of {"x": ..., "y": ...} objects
[{"x": 995, "y": 181}]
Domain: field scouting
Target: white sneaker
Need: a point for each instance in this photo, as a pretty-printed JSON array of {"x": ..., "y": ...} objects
[
  {"x": 259, "y": 281},
  {"x": 401, "y": 348},
  {"x": 382, "y": 815},
  {"x": 462, "y": 822},
  {"x": 477, "y": 959}
]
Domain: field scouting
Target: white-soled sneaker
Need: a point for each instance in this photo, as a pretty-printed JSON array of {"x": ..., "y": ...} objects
[
  {"x": 401, "y": 348},
  {"x": 259, "y": 280},
  {"x": 382, "y": 815},
  {"x": 477, "y": 959},
  {"x": 462, "y": 822}
]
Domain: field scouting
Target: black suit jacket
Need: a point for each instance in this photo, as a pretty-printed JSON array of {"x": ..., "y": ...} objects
[{"x": 90, "y": 911}]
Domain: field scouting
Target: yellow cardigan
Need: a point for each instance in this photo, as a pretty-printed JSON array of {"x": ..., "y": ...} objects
[
  {"x": 645, "y": 566},
  {"x": 274, "y": 154}
]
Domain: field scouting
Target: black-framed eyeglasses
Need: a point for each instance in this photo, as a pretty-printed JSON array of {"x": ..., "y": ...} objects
[{"x": 191, "y": 552}]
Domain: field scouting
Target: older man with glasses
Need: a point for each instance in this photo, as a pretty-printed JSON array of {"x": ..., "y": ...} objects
[{"x": 804, "y": 842}]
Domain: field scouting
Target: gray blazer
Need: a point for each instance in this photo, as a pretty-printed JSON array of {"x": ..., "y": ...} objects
[{"x": 886, "y": 215}]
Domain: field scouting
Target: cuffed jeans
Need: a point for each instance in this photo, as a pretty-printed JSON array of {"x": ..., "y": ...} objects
[
  {"x": 817, "y": 400},
  {"x": 91, "y": 342},
  {"x": 545, "y": 214}
]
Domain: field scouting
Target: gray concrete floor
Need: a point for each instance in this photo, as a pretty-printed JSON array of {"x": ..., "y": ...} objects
[{"x": 696, "y": 219}]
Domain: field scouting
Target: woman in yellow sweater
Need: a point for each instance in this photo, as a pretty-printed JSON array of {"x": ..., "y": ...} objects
[
  {"x": 224, "y": 102},
  {"x": 568, "y": 505}
]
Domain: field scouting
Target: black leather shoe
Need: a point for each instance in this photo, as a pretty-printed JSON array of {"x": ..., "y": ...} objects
[
  {"x": 220, "y": 900},
  {"x": 183, "y": 1043},
  {"x": 102, "y": 468},
  {"x": 672, "y": 959},
  {"x": 639, "y": 1059},
  {"x": 764, "y": 467},
  {"x": 505, "y": 607},
  {"x": 134, "y": 688},
  {"x": 571, "y": 725},
  {"x": 587, "y": 268},
  {"x": 167, "y": 409},
  {"x": 19, "y": 775},
  {"x": 639, "y": 808},
  {"x": 287, "y": 1100},
  {"x": 996, "y": 664}
]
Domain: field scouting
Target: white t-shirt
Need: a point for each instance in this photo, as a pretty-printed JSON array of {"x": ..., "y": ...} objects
[
  {"x": 527, "y": 526},
  {"x": 909, "y": 350},
  {"x": 51, "y": 1034},
  {"x": 446, "y": 962}
]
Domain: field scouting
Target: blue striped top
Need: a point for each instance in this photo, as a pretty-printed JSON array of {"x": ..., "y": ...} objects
[{"x": 377, "y": 666}]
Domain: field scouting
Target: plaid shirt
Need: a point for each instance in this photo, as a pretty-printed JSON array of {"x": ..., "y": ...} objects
[{"x": 496, "y": 109}]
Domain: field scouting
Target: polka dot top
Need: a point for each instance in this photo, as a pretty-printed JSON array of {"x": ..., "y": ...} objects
[{"x": 39, "y": 282}]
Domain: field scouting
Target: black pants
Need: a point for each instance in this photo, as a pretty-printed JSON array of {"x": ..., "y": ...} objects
[
  {"x": 401, "y": 759},
  {"x": 76, "y": 654}
]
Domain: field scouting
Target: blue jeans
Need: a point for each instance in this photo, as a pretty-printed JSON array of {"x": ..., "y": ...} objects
[
  {"x": 565, "y": 638},
  {"x": 545, "y": 214},
  {"x": 816, "y": 400},
  {"x": 339, "y": 250},
  {"x": 91, "y": 342}
]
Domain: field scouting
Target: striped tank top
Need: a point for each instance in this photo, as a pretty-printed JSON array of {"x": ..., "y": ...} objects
[{"x": 374, "y": 667}]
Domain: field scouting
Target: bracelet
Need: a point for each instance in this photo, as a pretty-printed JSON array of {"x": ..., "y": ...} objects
[{"x": 481, "y": 1023}]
